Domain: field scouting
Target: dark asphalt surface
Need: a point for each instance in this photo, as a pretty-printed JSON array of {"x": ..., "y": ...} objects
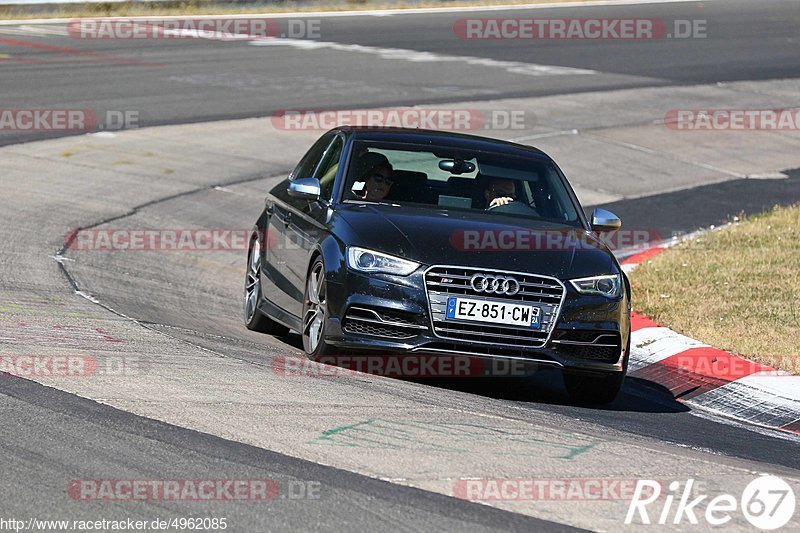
[
  {"x": 45, "y": 444},
  {"x": 180, "y": 81}
]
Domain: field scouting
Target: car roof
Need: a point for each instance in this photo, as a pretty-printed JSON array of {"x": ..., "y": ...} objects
[{"x": 456, "y": 140}]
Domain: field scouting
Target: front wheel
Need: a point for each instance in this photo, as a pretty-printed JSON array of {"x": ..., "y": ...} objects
[
  {"x": 593, "y": 388},
  {"x": 597, "y": 388},
  {"x": 315, "y": 312}
]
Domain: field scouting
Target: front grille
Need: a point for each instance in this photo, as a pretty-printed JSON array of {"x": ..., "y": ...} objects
[{"x": 545, "y": 292}]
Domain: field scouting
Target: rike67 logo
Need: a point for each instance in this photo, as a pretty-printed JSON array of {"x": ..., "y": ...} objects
[{"x": 767, "y": 503}]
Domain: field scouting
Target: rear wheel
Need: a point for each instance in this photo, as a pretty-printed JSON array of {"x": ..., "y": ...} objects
[
  {"x": 254, "y": 319},
  {"x": 315, "y": 312}
]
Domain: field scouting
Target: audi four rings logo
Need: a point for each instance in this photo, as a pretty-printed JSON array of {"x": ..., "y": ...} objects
[{"x": 494, "y": 284}]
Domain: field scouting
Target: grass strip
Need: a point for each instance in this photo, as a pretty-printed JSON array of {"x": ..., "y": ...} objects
[{"x": 737, "y": 288}]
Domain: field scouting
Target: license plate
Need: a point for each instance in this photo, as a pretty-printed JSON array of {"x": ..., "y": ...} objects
[{"x": 495, "y": 312}]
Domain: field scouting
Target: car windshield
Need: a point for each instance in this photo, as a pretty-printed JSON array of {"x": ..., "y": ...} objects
[{"x": 454, "y": 179}]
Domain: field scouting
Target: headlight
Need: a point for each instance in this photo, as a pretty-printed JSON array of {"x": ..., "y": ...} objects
[
  {"x": 365, "y": 260},
  {"x": 605, "y": 285}
]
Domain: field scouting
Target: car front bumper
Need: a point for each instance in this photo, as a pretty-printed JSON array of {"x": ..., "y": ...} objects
[{"x": 381, "y": 314}]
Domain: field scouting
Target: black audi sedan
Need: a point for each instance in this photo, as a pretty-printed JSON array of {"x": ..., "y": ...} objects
[{"x": 404, "y": 241}]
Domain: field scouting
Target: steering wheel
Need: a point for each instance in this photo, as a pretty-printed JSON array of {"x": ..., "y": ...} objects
[{"x": 514, "y": 208}]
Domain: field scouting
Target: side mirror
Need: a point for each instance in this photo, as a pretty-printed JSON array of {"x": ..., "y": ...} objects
[
  {"x": 308, "y": 188},
  {"x": 603, "y": 220}
]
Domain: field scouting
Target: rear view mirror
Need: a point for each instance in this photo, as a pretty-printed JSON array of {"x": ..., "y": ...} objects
[{"x": 456, "y": 166}]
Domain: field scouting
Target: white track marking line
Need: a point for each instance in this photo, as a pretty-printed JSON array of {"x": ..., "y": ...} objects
[
  {"x": 59, "y": 30},
  {"x": 416, "y": 56},
  {"x": 545, "y": 135},
  {"x": 39, "y": 29},
  {"x": 651, "y": 151}
]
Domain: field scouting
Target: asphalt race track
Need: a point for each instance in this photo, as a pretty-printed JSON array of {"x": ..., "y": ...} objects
[
  {"x": 182, "y": 391},
  {"x": 179, "y": 81}
]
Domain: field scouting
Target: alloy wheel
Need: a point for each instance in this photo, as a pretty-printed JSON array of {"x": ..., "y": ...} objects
[
  {"x": 314, "y": 309},
  {"x": 252, "y": 284}
]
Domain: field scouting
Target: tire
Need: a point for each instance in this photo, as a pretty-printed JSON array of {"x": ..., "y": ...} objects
[
  {"x": 254, "y": 319},
  {"x": 593, "y": 389},
  {"x": 596, "y": 388},
  {"x": 315, "y": 312}
]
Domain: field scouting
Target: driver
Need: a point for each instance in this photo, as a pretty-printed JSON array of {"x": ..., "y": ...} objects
[
  {"x": 374, "y": 179},
  {"x": 500, "y": 191}
]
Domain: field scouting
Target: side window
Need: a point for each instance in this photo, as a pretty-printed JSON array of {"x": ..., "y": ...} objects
[
  {"x": 310, "y": 161},
  {"x": 330, "y": 166}
]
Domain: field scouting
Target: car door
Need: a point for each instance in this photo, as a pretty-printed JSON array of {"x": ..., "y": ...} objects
[
  {"x": 307, "y": 221},
  {"x": 279, "y": 239}
]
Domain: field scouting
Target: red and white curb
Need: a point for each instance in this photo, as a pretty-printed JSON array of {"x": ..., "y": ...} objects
[{"x": 710, "y": 378}]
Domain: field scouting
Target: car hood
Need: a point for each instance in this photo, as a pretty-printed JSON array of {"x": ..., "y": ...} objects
[{"x": 433, "y": 236}]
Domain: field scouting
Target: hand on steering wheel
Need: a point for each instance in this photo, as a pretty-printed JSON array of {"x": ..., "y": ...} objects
[{"x": 497, "y": 202}]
